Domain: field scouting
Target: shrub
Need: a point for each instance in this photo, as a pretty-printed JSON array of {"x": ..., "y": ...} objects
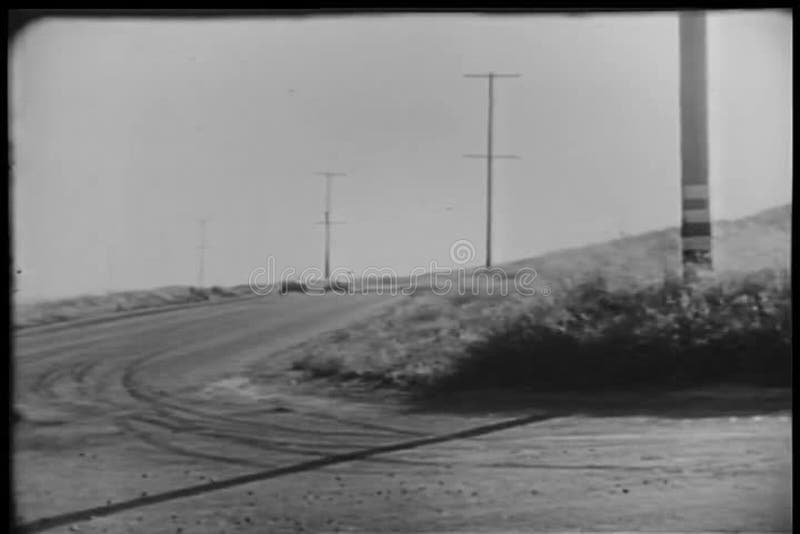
[
  {"x": 292, "y": 286},
  {"x": 736, "y": 329},
  {"x": 218, "y": 291},
  {"x": 198, "y": 293}
]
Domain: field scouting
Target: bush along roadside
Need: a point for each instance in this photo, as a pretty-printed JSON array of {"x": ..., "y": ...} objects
[{"x": 734, "y": 329}]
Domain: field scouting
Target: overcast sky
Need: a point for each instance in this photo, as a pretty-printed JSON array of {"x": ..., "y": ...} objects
[{"x": 126, "y": 132}]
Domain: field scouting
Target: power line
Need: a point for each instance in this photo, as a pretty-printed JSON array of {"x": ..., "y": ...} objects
[
  {"x": 490, "y": 156},
  {"x": 329, "y": 175}
]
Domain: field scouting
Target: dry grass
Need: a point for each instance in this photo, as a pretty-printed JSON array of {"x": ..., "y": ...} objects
[
  {"x": 86, "y": 306},
  {"x": 735, "y": 329},
  {"x": 462, "y": 341}
]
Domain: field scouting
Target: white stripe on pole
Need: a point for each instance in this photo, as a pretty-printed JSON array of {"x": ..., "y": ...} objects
[
  {"x": 695, "y": 191},
  {"x": 695, "y": 216}
]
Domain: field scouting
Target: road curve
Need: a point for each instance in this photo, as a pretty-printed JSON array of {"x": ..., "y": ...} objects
[
  {"x": 143, "y": 388},
  {"x": 152, "y": 424}
]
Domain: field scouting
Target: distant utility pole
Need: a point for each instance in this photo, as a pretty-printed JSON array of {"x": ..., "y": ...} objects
[
  {"x": 201, "y": 269},
  {"x": 109, "y": 268},
  {"x": 327, "y": 218},
  {"x": 490, "y": 156},
  {"x": 695, "y": 219}
]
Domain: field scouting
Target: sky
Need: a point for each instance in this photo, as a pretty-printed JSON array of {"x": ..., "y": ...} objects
[{"x": 126, "y": 132}]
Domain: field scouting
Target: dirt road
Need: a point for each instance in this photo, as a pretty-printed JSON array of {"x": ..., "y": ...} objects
[{"x": 151, "y": 424}]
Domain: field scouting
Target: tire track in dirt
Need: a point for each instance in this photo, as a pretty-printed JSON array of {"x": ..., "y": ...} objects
[
  {"x": 171, "y": 413},
  {"x": 230, "y": 446},
  {"x": 47, "y": 523},
  {"x": 111, "y": 375},
  {"x": 146, "y": 412}
]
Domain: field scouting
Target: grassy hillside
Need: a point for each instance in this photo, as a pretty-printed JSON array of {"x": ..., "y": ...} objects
[
  {"x": 37, "y": 313},
  {"x": 744, "y": 245},
  {"x": 616, "y": 313}
]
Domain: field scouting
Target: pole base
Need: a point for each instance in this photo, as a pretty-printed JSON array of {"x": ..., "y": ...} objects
[{"x": 696, "y": 266}]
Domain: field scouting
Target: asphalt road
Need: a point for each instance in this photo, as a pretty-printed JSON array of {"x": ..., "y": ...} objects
[{"x": 154, "y": 424}]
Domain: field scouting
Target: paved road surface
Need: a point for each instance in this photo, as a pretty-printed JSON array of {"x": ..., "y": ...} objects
[{"x": 152, "y": 424}]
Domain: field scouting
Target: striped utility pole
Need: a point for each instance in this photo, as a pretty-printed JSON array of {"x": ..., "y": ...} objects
[
  {"x": 327, "y": 219},
  {"x": 696, "y": 220},
  {"x": 489, "y": 156}
]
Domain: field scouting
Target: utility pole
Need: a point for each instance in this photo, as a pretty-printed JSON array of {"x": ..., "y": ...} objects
[
  {"x": 490, "y": 156},
  {"x": 695, "y": 216},
  {"x": 327, "y": 218},
  {"x": 109, "y": 268},
  {"x": 202, "y": 253}
]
